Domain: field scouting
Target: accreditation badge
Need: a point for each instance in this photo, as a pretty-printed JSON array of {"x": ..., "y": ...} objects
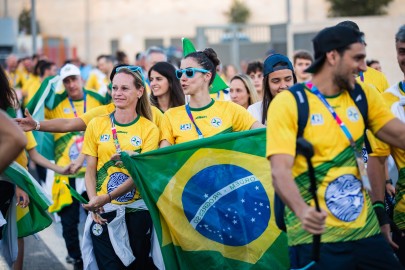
[{"x": 97, "y": 229}]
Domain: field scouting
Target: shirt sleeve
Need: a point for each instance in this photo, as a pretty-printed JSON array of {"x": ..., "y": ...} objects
[
  {"x": 166, "y": 129},
  {"x": 242, "y": 119},
  {"x": 282, "y": 125},
  {"x": 375, "y": 147},
  {"x": 151, "y": 139},
  {"x": 90, "y": 139},
  {"x": 157, "y": 116},
  {"x": 31, "y": 142},
  {"x": 378, "y": 112}
]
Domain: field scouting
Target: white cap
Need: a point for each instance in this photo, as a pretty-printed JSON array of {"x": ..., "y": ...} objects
[{"x": 69, "y": 70}]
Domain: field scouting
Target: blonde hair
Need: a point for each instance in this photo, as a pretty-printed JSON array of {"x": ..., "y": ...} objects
[
  {"x": 142, "y": 106},
  {"x": 250, "y": 88}
]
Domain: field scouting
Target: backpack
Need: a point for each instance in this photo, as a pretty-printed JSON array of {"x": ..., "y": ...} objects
[{"x": 298, "y": 91}]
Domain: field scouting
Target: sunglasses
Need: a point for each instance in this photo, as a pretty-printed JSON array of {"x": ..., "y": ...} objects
[
  {"x": 190, "y": 72},
  {"x": 133, "y": 69}
]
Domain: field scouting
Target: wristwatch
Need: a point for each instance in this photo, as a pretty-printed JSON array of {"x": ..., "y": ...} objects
[
  {"x": 37, "y": 125},
  {"x": 389, "y": 181}
]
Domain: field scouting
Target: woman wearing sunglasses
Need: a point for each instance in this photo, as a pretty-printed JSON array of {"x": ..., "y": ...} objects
[
  {"x": 202, "y": 116},
  {"x": 125, "y": 216},
  {"x": 166, "y": 91}
]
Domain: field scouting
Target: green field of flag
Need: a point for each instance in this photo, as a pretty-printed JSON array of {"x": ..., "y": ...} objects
[
  {"x": 211, "y": 201},
  {"x": 35, "y": 217}
]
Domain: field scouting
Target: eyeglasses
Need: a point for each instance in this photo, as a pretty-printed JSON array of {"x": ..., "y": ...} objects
[
  {"x": 190, "y": 72},
  {"x": 133, "y": 69}
]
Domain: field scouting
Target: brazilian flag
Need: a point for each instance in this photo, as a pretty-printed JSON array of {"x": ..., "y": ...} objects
[
  {"x": 211, "y": 203},
  {"x": 33, "y": 218}
]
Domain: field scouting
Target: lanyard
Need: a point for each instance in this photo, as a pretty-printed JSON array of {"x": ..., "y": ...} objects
[
  {"x": 200, "y": 135},
  {"x": 114, "y": 134},
  {"x": 361, "y": 73},
  {"x": 73, "y": 105},
  {"x": 357, "y": 152}
]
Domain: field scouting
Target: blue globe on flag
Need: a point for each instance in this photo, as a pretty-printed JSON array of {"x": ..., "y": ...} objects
[{"x": 224, "y": 202}]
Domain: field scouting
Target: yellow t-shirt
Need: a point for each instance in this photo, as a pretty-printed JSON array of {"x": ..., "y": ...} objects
[
  {"x": 379, "y": 148},
  {"x": 340, "y": 193},
  {"x": 109, "y": 108},
  {"x": 68, "y": 145},
  {"x": 15, "y": 78},
  {"x": 216, "y": 118},
  {"x": 98, "y": 83},
  {"x": 140, "y": 136},
  {"x": 31, "y": 88},
  {"x": 374, "y": 78}
]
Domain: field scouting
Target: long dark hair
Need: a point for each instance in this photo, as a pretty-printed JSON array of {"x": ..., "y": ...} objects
[
  {"x": 8, "y": 97},
  {"x": 168, "y": 71}
]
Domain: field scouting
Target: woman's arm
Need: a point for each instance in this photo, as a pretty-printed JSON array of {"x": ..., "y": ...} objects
[
  {"x": 41, "y": 160},
  {"x": 55, "y": 125}
]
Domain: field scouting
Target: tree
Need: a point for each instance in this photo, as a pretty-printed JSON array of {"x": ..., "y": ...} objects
[
  {"x": 24, "y": 22},
  {"x": 238, "y": 12},
  {"x": 342, "y": 8}
]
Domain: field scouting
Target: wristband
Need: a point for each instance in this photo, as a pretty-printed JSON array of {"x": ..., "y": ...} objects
[
  {"x": 109, "y": 195},
  {"x": 382, "y": 216},
  {"x": 389, "y": 181},
  {"x": 37, "y": 125}
]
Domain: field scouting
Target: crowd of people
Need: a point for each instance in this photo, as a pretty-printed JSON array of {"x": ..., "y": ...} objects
[{"x": 97, "y": 115}]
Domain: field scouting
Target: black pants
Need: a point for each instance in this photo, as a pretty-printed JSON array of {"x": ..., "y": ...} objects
[
  {"x": 70, "y": 218},
  {"x": 139, "y": 225},
  {"x": 368, "y": 253},
  {"x": 400, "y": 241},
  {"x": 6, "y": 194}
]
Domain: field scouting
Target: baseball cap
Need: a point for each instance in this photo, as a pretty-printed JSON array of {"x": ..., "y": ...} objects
[
  {"x": 332, "y": 38},
  {"x": 274, "y": 59},
  {"x": 69, "y": 70}
]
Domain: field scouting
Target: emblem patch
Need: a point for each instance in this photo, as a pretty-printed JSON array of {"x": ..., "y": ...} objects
[
  {"x": 66, "y": 110},
  {"x": 316, "y": 119},
  {"x": 136, "y": 141},
  {"x": 353, "y": 114},
  {"x": 97, "y": 229},
  {"x": 185, "y": 126},
  {"x": 104, "y": 138},
  {"x": 216, "y": 122}
]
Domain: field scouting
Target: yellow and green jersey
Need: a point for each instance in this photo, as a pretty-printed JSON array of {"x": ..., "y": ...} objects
[
  {"x": 68, "y": 145},
  {"x": 98, "y": 83},
  {"x": 350, "y": 212},
  {"x": 379, "y": 148},
  {"x": 15, "y": 78},
  {"x": 141, "y": 135},
  {"x": 218, "y": 117},
  {"x": 109, "y": 108},
  {"x": 31, "y": 88}
]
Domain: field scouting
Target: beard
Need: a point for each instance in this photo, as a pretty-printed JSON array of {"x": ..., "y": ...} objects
[{"x": 342, "y": 82}]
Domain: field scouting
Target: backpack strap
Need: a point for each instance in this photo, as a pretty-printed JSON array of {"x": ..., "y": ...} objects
[
  {"x": 360, "y": 99},
  {"x": 298, "y": 90}
]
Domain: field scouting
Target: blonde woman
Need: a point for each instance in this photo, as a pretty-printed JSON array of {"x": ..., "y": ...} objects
[
  {"x": 242, "y": 90},
  {"x": 128, "y": 128}
]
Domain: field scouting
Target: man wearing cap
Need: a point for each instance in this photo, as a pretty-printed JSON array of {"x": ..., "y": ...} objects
[
  {"x": 349, "y": 228},
  {"x": 278, "y": 75},
  {"x": 73, "y": 102}
]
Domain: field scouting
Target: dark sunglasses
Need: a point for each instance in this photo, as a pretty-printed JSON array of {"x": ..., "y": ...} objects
[{"x": 190, "y": 72}]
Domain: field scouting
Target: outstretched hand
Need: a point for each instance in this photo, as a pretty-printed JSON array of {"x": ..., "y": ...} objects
[{"x": 28, "y": 123}]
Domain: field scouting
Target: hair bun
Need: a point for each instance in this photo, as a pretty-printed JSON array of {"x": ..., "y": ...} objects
[{"x": 212, "y": 55}]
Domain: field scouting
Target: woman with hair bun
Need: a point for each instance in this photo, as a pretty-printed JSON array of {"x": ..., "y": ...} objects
[{"x": 202, "y": 117}]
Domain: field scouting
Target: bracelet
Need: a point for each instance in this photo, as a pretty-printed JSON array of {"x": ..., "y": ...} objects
[
  {"x": 109, "y": 195},
  {"x": 378, "y": 204},
  {"x": 37, "y": 125},
  {"x": 389, "y": 181}
]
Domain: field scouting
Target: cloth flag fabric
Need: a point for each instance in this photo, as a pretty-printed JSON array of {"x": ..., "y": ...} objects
[
  {"x": 44, "y": 97},
  {"x": 218, "y": 84},
  {"x": 211, "y": 203},
  {"x": 33, "y": 218}
]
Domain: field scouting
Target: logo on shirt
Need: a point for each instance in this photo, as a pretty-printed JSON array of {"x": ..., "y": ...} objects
[
  {"x": 104, "y": 138},
  {"x": 353, "y": 114},
  {"x": 216, "y": 122},
  {"x": 185, "y": 126},
  {"x": 66, "y": 110},
  {"x": 316, "y": 119},
  {"x": 136, "y": 141},
  {"x": 200, "y": 117},
  {"x": 97, "y": 229}
]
